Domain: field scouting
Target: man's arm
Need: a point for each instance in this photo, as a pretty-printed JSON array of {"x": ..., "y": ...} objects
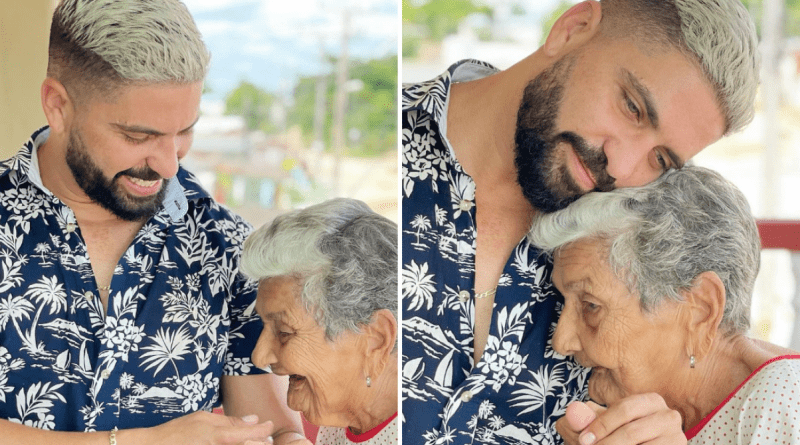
[
  {"x": 196, "y": 428},
  {"x": 265, "y": 396}
]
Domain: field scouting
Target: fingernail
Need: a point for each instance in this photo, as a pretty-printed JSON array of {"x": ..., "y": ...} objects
[
  {"x": 252, "y": 418},
  {"x": 270, "y": 439},
  {"x": 587, "y": 438}
]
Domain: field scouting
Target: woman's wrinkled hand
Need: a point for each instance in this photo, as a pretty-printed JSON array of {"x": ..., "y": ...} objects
[{"x": 637, "y": 419}]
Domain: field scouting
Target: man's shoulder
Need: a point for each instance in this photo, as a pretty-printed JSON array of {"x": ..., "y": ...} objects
[{"x": 432, "y": 95}]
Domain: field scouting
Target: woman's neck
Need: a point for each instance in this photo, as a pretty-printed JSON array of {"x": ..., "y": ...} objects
[{"x": 730, "y": 361}]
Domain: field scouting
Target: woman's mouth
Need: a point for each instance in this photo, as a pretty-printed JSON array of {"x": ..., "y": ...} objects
[{"x": 295, "y": 380}]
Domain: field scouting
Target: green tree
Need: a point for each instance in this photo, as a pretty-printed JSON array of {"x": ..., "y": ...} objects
[
  {"x": 434, "y": 20},
  {"x": 791, "y": 17},
  {"x": 372, "y": 110},
  {"x": 252, "y": 103},
  {"x": 551, "y": 18}
]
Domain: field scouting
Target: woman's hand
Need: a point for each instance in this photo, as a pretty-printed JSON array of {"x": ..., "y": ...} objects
[{"x": 638, "y": 419}]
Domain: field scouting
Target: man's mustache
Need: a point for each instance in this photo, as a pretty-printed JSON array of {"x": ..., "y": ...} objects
[{"x": 593, "y": 158}]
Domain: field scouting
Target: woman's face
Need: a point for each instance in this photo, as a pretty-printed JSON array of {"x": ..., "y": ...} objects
[
  {"x": 603, "y": 326},
  {"x": 325, "y": 378}
]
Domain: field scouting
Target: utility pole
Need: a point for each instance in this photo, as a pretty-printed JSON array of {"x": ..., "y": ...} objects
[
  {"x": 772, "y": 36},
  {"x": 340, "y": 104},
  {"x": 320, "y": 102}
]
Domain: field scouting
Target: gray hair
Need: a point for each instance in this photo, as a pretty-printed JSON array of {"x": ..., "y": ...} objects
[
  {"x": 100, "y": 44},
  {"x": 718, "y": 34},
  {"x": 660, "y": 237},
  {"x": 343, "y": 254}
]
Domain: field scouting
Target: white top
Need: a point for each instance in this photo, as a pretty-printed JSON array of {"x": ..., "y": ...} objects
[
  {"x": 764, "y": 409},
  {"x": 383, "y": 434}
]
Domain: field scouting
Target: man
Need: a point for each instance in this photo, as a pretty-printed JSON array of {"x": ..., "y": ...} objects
[
  {"x": 123, "y": 317},
  {"x": 621, "y": 91}
]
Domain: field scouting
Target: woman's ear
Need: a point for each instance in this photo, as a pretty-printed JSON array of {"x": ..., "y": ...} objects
[
  {"x": 575, "y": 27},
  {"x": 706, "y": 306},
  {"x": 381, "y": 336},
  {"x": 57, "y": 105}
]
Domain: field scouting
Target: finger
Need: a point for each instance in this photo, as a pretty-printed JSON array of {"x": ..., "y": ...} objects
[
  {"x": 620, "y": 413},
  {"x": 260, "y": 432},
  {"x": 654, "y": 428},
  {"x": 579, "y": 415},
  {"x": 596, "y": 407},
  {"x": 566, "y": 432}
]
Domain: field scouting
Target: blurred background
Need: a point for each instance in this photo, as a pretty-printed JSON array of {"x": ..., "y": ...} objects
[
  {"x": 299, "y": 104},
  {"x": 763, "y": 160}
]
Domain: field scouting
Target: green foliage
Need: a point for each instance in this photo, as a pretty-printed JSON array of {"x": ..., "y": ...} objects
[
  {"x": 548, "y": 23},
  {"x": 434, "y": 20},
  {"x": 252, "y": 103},
  {"x": 791, "y": 16},
  {"x": 372, "y": 110}
]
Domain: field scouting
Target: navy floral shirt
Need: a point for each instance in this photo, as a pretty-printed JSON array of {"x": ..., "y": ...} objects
[
  {"x": 179, "y": 314},
  {"x": 521, "y": 385}
]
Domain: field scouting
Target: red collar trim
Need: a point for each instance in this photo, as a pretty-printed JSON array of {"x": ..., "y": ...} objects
[
  {"x": 696, "y": 429},
  {"x": 363, "y": 437}
]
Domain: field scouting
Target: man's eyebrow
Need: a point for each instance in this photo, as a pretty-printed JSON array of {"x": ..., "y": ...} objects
[
  {"x": 149, "y": 131},
  {"x": 645, "y": 94}
]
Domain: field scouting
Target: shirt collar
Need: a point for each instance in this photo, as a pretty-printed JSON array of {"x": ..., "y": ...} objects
[{"x": 175, "y": 202}]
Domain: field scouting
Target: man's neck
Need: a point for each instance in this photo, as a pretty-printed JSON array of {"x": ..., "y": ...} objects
[{"x": 482, "y": 120}]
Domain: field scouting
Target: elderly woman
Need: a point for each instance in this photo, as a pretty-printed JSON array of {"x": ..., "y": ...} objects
[
  {"x": 328, "y": 298},
  {"x": 657, "y": 283}
]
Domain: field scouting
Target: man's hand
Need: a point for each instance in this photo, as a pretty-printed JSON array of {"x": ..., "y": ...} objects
[
  {"x": 638, "y": 419},
  {"x": 202, "y": 428}
]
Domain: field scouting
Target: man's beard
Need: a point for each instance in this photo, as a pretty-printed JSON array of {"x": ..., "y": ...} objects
[
  {"x": 109, "y": 193},
  {"x": 546, "y": 183}
]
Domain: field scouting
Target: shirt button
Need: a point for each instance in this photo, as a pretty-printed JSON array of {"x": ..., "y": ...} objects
[
  {"x": 89, "y": 295},
  {"x": 70, "y": 227},
  {"x": 466, "y": 396},
  {"x": 105, "y": 374},
  {"x": 463, "y": 296},
  {"x": 465, "y": 205}
]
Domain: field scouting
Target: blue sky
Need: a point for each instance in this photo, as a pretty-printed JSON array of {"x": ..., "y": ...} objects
[{"x": 272, "y": 42}]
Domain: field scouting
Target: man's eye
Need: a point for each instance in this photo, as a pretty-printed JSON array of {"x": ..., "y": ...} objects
[
  {"x": 134, "y": 140},
  {"x": 661, "y": 160},
  {"x": 634, "y": 110}
]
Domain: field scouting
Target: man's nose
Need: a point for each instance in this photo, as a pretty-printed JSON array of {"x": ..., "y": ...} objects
[
  {"x": 166, "y": 156},
  {"x": 629, "y": 159}
]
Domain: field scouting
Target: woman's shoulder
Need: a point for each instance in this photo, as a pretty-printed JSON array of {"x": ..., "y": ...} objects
[{"x": 765, "y": 407}]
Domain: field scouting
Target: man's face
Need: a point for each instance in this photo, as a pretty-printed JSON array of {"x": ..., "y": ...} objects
[
  {"x": 122, "y": 153},
  {"x": 610, "y": 116}
]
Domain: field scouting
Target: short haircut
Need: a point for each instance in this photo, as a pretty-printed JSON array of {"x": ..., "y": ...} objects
[
  {"x": 719, "y": 35},
  {"x": 343, "y": 255},
  {"x": 661, "y": 236},
  {"x": 96, "y": 46}
]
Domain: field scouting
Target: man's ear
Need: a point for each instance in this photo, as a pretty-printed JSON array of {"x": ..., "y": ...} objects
[
  {"x": 573, "y": 28},
  {"x": 381, "y": 335},
  {"x": 706, "y": 306},
  {"x": 57, "y": 105}
]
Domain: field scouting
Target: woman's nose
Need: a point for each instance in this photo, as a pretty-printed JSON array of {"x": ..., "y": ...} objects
[
  {"x": 565, "y": 339},
  {"x": 263, "y": 354}
]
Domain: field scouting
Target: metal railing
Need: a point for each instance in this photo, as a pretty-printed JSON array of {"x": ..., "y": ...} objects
[{"x": 785, "y": 234}]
